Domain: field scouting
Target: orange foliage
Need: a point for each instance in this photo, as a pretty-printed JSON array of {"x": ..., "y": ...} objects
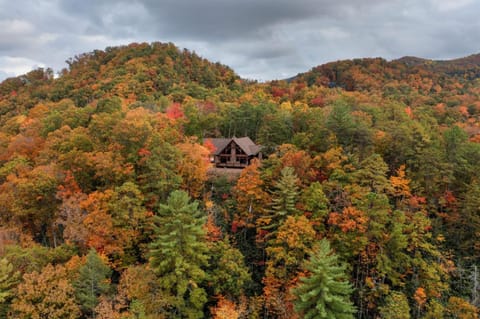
[
  {"x": 26, "y": 145},
  {"x": 417, "y": 201},
  {"x": 409, "y": 112},
  {"x": 463, "y": 110},
  {"x": 193, "y": 167},
  {"x": 279, "y": 298},
  {"x": 70, "y": 215},
  {"x": 301, "y": 163},
  {"x": 420, "y": 296},
  {"x": 351, "y": 219},
  {"x": 462, "y": 309},
  {"x": 225, "y": 309},
  {"x": 213, "y": 233},
  {"x": 251, "y": 199},
  {"x": 400, "y": 186},
  {"x": 103, "y": 235},
  {"x": 106, "y": 309}
]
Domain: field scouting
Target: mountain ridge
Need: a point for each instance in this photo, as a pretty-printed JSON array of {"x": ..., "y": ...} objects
[{"x": 379, "y": 159}]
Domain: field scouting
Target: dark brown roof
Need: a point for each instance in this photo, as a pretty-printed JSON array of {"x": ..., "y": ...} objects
[{"x": 245, "y": 143}]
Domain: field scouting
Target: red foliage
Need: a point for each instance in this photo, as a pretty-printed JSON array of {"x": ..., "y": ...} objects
[
  {"x": 279, "y": 92},
  {"x": 209, "y": 145},
  {"x": 174, "y": 111},
  {"x": 261, "y": 233},
  {"x": 300, "y": 86},
  {"x": 318, "y": 101},
  {"x": 143, "y": 152},
  {"x": 450, "y": 199},
  {"x": 417, "y": 201},
  {"x": 234, "y": 227},
  {"x": 208, "y": 107}
]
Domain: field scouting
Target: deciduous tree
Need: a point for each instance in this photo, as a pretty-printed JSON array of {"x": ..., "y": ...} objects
[{"x": 47, "y": 294}]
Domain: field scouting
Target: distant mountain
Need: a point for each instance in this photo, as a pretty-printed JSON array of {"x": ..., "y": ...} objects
[
  {"x": 412, "y": 61},
  {"x": 470, "y": 60},
  {"x": 391, "y": 77},
  {"x": 452, "y": 67}
]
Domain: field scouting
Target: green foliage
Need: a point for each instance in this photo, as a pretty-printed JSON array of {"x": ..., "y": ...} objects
[
  {"x": 278, "y": 131},
  {"x": 179, "y": 255},
  {"x": 315, "y": 200},
  {"x": 284, "y": 199},
  {"x": 93, "y": 280},
  {"x": 227, "y": 270},
  {"x": 157, "y": 170},
  {"x": 109, "y": 105},
  {"x": 372, "y": 174},
  {"x": 325, "y": 293},
  {"x": 36, "y": 257},
  {"x": 396, "y": 307},
  {"x": 468, "y": 223},
  {"x": 9, "y": 278},
  {"x": 341, "y": 123}
]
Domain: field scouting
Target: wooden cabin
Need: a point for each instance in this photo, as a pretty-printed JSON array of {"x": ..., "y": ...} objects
[{"x": 236, "y": 152}]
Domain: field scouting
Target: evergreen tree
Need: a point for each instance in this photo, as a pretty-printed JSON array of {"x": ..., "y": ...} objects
[
  {"x": 325, "y": 293},
  {"x": 178, "y": 255},
  {"x": 92, "y": 281},
  {"x": 284, "y": 198},
  {"x": 372, "y": 174},
  {"x": 9, "y": 278}
]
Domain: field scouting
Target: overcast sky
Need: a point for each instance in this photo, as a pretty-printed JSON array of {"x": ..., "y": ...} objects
[{"x": 259, "y": 39}]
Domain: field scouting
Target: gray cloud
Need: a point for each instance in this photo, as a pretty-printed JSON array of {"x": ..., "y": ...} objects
[{"x": 260, "y": 39}]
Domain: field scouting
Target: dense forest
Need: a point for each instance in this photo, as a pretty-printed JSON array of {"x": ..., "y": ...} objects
[{"x": 366, "y": 203}]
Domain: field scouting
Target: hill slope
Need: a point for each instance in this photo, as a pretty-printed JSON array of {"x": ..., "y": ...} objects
[
  {"x": 134, "y": 72},
  {"x": 103, "y": 180}
]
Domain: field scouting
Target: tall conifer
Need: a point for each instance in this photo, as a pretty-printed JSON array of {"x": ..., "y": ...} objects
[
  {"x": 93, "y": 280},
  {"x": 178, "y": 255},
  {"x": 325, "y": 293}
]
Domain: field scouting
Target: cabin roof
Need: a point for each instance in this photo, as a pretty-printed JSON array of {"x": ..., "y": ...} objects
[{"x": 245, "y": 143}]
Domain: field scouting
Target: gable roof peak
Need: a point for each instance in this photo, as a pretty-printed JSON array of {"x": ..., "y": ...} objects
[{"x": 245, "y": 143}]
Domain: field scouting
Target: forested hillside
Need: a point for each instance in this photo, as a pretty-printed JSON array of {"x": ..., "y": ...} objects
[{"x": 366, "y": 203}]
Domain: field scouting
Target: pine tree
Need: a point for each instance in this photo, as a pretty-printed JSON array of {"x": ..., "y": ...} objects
[
  {"x": 178, "y": 255},
  {"x": 325, "y": 293},
  {"x": 284, "y": 198},
  {"x": 9, "y": 278},
  {"x": 93, "y": 280}
]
